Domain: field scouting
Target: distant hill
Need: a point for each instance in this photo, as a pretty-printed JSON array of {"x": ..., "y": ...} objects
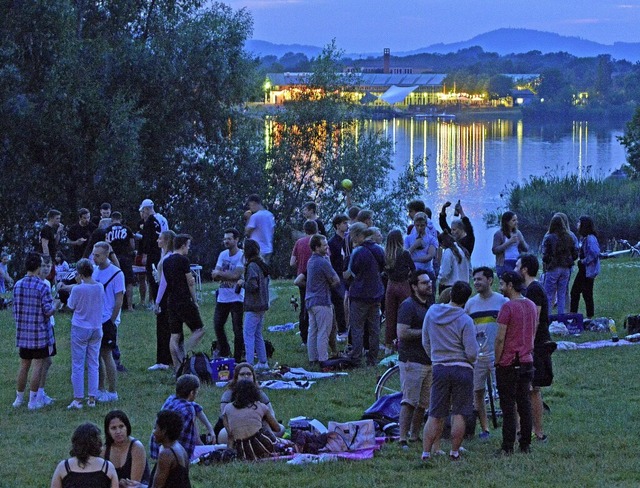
[{"x": 501, "y": 41}]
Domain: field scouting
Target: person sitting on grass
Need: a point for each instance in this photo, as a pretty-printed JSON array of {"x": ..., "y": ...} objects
[
  {"x": 243, "y": 420},
  {"x": 125, "y": 452},
  {"x": 85, "y": 467}
]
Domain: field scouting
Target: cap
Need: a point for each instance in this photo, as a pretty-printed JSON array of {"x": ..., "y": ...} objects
[{"x": 146, "y": 203}]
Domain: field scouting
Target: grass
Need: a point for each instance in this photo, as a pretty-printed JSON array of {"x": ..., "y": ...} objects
[{"x": 593, "y": 427}]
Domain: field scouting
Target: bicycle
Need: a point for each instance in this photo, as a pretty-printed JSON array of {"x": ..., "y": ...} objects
[
  {"x": 389, "y": 382},
  {"x": 621, "y": 246}
]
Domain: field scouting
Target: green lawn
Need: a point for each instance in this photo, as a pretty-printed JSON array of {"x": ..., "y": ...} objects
[{"x": 593, "y": 425}]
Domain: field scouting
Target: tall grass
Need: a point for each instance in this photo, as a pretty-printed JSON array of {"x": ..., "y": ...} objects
[{"x": 593, "y": 427}]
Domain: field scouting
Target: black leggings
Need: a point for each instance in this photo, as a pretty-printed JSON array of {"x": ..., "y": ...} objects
[{"x": 582, "y": 286}]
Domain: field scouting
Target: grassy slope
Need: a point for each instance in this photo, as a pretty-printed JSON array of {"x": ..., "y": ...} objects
[{"x": 593, "y": 426}]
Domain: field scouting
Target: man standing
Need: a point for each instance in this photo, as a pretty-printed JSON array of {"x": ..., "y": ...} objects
[
  {"x": 422, "y": 245},
  {"x": 321, "y": 278},
  {"x": 483, "y": 308},
  {"x": 461, "y": 229},
  {"x": 80, "y": 233},
  {"x": 112, "y": 280},
  {"x": 50, "y": 238},
  {"x": 299, "y": 258},
  {"x": 514, "y": 361},
  {"x": 415, "y": 364},
  {"x": 105, "y": 213},
  {"x": 229, "y": 297},
  {"x": 449, "y": 337},
  {"x": 310, "y": 212},
  {"x": 527, "y": 265},
  {"x": 182, "y": 304},
  {"x": 339, "y": 256},
  {"x": 154, "y": 223},
  {"x": 365, "y": 293},
  {"x": 260, "y": 226},
  {"x": 32, "y": 309},
  {"x": 123, "y": 243}
]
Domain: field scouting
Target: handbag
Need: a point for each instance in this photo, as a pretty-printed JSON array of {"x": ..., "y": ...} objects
[{"x": 351, "y": 436}]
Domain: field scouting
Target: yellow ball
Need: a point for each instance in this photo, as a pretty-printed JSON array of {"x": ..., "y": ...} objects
[{"x": 347, "y": 184}]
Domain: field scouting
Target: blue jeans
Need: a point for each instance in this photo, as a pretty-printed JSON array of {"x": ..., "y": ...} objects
[
  {"x": 253, "y": 341},
  {"x": 556, "y": 281}
]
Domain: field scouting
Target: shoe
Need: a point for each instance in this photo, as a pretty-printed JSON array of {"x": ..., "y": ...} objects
[
  {"x": 525, "y": 449},
  {"x": 484, "y": 436},
  {"x": 403, "y": 445},
  {"x": 120, "y": 367},
  {"x": 35, "y": 405},
  {"x": 75, "y": 405},
  {"x": 425, "y": 458},
  {"x": 47, "y": 400},
  {"x": 107, "y": 396},
  {"x": 440, "y": 452},
  {"x": 262, "y": 367},
  {"x": 91, "y": 403},
  {"x": 18, "y": 402},
  {"x": 157, "y": 367},
  {"x": 500, "y": 453},
  {"x": 342, "y": 337},
  {"x": 542, "y": 439},
  {"x": 455, "y": 458}
]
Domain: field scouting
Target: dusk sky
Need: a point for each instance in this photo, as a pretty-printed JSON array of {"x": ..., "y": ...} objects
[{"x": 402, "y": 25}]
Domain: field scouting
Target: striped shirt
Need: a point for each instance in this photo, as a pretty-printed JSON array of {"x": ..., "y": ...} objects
[{"x": 32, "y": 306}]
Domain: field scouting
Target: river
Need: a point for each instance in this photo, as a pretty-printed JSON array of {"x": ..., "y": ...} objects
[{"x": 477, "y": 161}]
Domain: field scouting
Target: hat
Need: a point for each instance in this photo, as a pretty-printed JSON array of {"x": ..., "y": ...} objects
[
  {"x": 146, "y": 203},
  {"x": 514, "y": 278}
]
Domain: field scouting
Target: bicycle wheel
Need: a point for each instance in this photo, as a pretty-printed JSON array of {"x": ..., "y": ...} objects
[{"x": 389, "y": 382}]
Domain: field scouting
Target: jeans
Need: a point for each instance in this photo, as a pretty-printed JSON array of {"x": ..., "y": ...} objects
[
  {"x": 253, "y": 341},
  {"x": 337, "y": 299},
  {"x": 364, "y": 316},
  {"x": 320, "y": 323},
  {"x": 220, "y": 316},
  {"x": 85, "y": 346},
  {"x": 556, "y": 282},
  {"x": 303, "y": 325},
  {"x": 514, "y": 384},
  {"x": 582, "y": 286}
]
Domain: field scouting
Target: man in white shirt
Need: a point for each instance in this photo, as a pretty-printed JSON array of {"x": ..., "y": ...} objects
[{"x": 260, "y": 226}]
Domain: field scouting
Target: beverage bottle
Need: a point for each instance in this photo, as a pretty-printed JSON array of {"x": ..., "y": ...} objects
[
  {"x": 457, "y": 212},
  {"x": 614, "y": 331}
]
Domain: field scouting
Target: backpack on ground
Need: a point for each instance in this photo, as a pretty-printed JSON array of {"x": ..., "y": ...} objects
[
  {"x": 632, "y": 324},
  {"x": 198, "y": 364}
]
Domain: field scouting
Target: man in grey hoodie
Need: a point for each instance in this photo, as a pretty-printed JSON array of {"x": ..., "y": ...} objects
[{"x": 448, "y": 335}]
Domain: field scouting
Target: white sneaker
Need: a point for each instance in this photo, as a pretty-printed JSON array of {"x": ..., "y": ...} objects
[
  {"x": 35, "y": 405},
  {"x": 47, "y": 400},
  {"x": 75, "y": 405},
  {"x": 262, "y": 367},
  {"x": 18, "y": 402},
  {"x": 107, "y": 396},
  {"x": 343, "y": 337},
  {"x": 157, "y": 367}
]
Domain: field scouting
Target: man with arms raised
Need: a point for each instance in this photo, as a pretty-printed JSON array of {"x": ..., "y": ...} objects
[
  {"x": 229, "y": 269},
  {"x": 517, "y": 322},
  {"x": 182, "y": 304},
  {"x": 527, "y": 265},
  {"x": 414, "y": 362},
  {"x": 448, "y": 335},
  {"x": 483, "y": 308}
]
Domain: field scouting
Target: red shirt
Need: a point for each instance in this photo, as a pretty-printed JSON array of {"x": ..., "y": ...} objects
[
  {"x": 302, "y": 252},
  {"x": 520, "y": 316}
]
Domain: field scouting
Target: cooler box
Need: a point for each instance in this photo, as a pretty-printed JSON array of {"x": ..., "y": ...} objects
[
  {"x": 573, "y": 321},
  {"x": 222, "y": 369}
]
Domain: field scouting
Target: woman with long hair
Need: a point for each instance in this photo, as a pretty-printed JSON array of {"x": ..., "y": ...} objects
[
  {"x": 558, "y": 254},
  {"x": 243, "y": 419},
  {"x": 455, "y": 264},
  {"x": 508, "y": 243},
  {"x": 85, "y": 467},
  {"x": 125, "y": 452},
  {"x": 163, "y": 331},
  {"x": 588, "y": 266},
  {"x": 398, "y": 266},
  {"x": 256, "y": 303}
]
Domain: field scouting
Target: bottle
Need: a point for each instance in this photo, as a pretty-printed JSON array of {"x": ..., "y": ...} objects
[
  {"x": 614, "y": 331},
  {"x": 457, "y": 212}
]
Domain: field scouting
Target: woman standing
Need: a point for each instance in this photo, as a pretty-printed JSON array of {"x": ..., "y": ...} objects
[
  {"x": 125, "y": 452},
  {"x": 588, "y": 266},
  {"x": 398, "y": 266},
  {"x": 85, "y": 468},
  {"x": 455, "y": 264},
  {"x": 508, "y": 243},
  {"x": 256, "y": 303},
  {"x": 558, "y": 254},
  {"x": 86, "y": 301},
  {"x": 163, "y": 331}
]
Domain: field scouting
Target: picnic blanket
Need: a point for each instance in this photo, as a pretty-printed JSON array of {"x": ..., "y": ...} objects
[
  {"x": 301, "y": 373},
  {"x": 282, "y": 327},
  {"x": 358, "y": 455},
  {"x": 287, "y": 385},
  {"x": 572, "y": 346}
]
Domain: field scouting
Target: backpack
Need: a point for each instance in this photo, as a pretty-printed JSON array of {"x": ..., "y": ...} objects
[
  {"x": 632, "y": 324},
  {"x": 197, "y": 364}
]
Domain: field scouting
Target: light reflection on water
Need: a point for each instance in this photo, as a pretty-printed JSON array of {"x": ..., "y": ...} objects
[{"x": 476, "y": 161}]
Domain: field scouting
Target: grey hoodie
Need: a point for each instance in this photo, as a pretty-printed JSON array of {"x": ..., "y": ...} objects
[{"x": 449, "y": 337}]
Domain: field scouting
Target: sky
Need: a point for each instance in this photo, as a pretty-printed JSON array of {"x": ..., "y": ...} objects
[{"x": 404, "y": 25}]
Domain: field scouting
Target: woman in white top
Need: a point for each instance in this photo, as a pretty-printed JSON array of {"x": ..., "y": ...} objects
[
  {"x": 508, "y": 243},
  {"x": 86, "y": 301},
  {"x": 454, "y": 265}
]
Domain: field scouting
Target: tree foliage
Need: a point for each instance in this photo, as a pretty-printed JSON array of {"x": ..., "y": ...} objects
[{"x": 631, "y": 142}]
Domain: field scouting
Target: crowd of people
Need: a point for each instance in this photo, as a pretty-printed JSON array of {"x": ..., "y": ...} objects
[{"x": 350, "y": 286}]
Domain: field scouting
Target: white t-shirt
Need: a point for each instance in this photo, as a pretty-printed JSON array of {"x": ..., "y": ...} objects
[
  {"x": 87, "y": 302},
  {"x": 226, "y": 292},
  {"x": 115, "y": 286},
  {"x": 162, "y": 220},
  {"x": 262, "y": 223}
]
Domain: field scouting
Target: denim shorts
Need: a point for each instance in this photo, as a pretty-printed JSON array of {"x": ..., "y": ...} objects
[{"x": 451, "y": 391}]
